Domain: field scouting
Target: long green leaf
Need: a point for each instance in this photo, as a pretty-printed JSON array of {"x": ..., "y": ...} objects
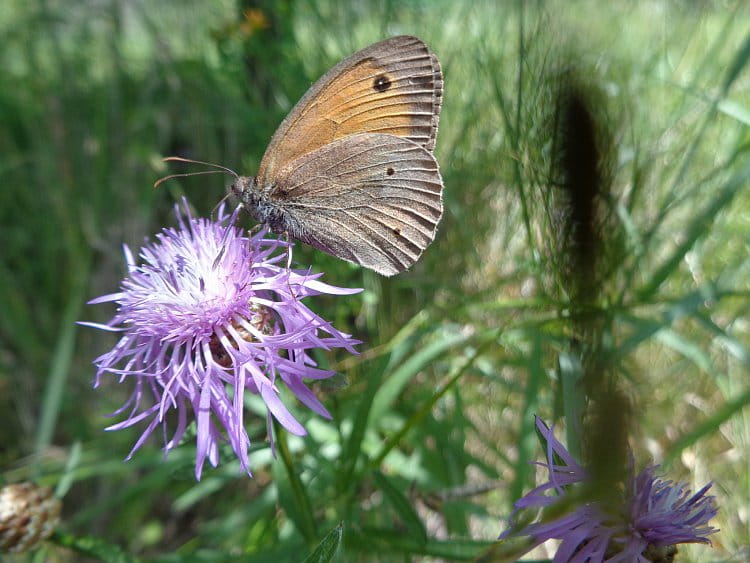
[
  {"x": 707, "y": 426},
  {"x": 93, "y": 547},
  {"x": 697, "y": 228},
  {"x": 526, "y": 440},
  {"x": 738, "y": 64},
  {"x": 396, "y": 381},
  {"x": 61, "y": 360},
  {"x": 402, "y": 506},
  {"x": 328, "y": 548},
  {"x": 485, "y": 338},
  {"x": 385, "y": 541}
]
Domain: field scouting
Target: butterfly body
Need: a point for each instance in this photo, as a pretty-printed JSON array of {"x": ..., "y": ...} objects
[
  {"x": 350, "y": 171},
  {"x": 262, "y": 207}
]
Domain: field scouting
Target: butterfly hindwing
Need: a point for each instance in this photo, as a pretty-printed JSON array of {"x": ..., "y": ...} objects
[{"x": 372, "y": 199}]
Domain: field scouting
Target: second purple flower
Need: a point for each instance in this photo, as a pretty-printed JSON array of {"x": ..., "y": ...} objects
[{"x": 655, "y": 515}]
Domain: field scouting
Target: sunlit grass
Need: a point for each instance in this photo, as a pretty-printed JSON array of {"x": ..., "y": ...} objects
[{"x": 93, "y": 97}]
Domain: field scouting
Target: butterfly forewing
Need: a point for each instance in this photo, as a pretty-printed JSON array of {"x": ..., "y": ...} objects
[
  {"x": 393, "y": 87},
  {"x": 372, "y": 199}
]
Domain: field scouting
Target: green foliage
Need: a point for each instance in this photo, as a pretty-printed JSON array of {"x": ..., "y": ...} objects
[
  {"x": 328, "y": 548},
  {"x": 432, "y": 425}
]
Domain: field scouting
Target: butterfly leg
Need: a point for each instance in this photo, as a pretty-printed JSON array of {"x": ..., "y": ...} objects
[
  {"x": 289, "y": 263},
  {"x": 227, "y": 230}
]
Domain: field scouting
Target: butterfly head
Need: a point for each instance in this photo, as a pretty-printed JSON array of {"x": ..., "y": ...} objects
[
  {"x": 255, "y": 202},
  {"x": 242, "y": 187}
]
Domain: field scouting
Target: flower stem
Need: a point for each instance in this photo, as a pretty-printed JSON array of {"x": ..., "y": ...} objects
[{"x": 306, "y": 520}]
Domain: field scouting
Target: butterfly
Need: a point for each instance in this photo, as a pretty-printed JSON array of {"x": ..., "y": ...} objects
[{"x": 351, "y": 171}]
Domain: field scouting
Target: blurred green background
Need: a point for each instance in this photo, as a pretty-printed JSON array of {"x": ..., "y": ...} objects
[{"x": 432, "y": 426}]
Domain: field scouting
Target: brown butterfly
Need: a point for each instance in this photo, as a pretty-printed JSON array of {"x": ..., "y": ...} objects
[{"x": 350, "y": 171}]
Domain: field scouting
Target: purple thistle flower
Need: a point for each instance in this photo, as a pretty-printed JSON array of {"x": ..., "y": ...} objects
[
  {"x": 210, "y": 314},
  {"x": 655, "y": 514}
]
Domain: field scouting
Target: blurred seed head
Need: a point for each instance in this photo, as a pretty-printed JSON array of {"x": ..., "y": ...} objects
[
  {"x": 28, "y": 515},
  {"x": 606, "y": 448},
  {"x": 586, "y": 252},
  {"x": 581, "y": 147}
]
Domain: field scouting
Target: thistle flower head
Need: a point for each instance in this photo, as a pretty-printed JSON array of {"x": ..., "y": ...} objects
[
  {"x": 206, "y": 315},
  {"x": 654, "y": 516}
]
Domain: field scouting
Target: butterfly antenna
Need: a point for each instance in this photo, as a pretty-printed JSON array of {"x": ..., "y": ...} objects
[
  {"x": 162, "y": 180},
  {"x": 191, "y": 161},
  {"x": 222, "y": 169},
  {"x": 289, "y": 264}
]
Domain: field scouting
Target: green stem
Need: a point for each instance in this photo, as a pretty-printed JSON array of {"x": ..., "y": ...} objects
[{"x": 298, "y": 490}]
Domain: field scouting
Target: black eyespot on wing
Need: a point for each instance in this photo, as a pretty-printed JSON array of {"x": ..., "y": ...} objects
[
  {"x": 381, "y": 83},
  {"x": 390, "y": 171}
]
